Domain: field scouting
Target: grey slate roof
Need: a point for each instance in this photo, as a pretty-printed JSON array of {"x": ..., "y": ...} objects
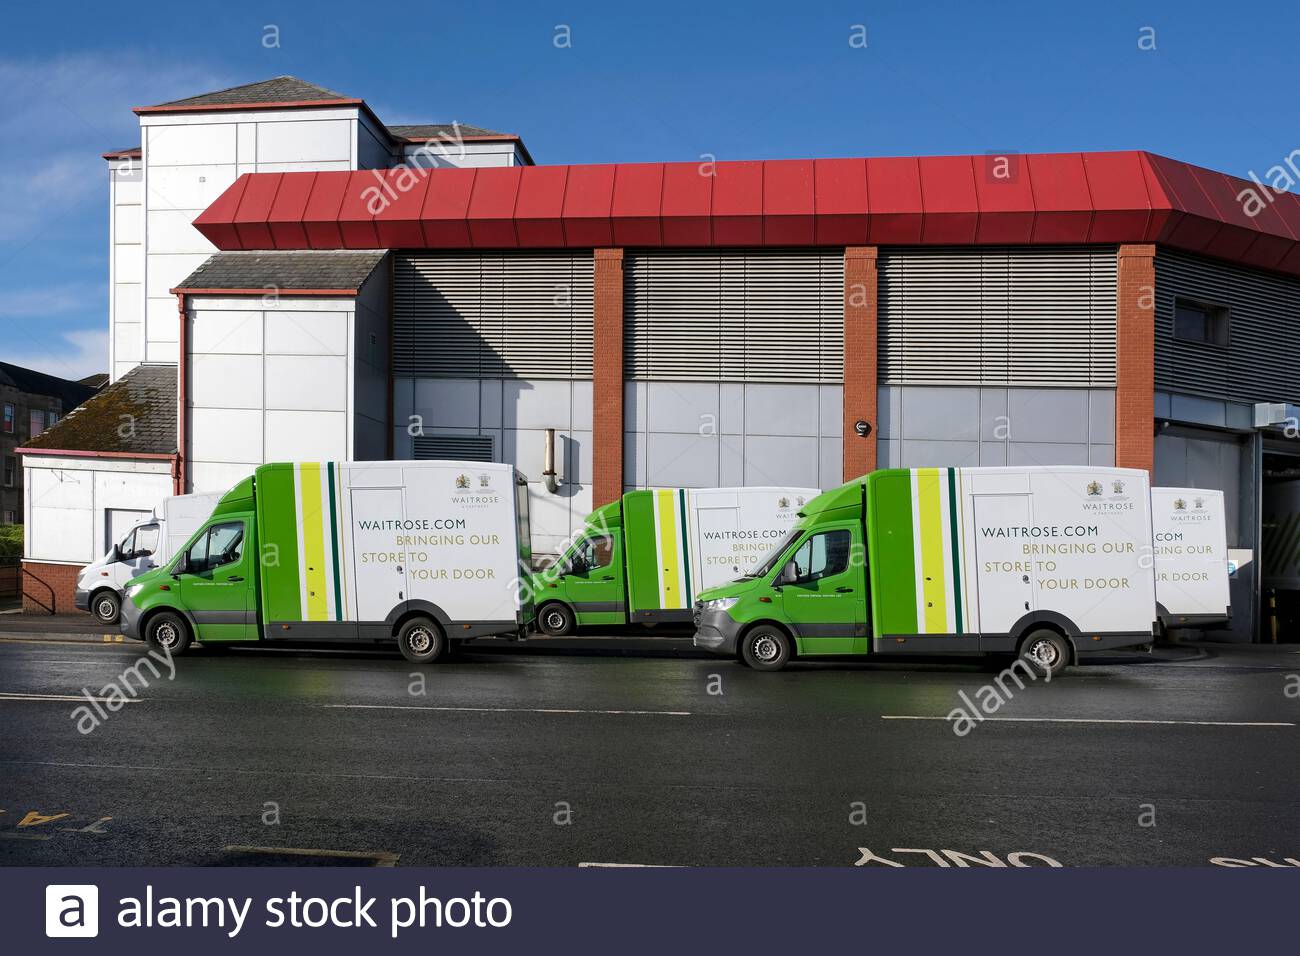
[
  {"x": 426, "y": 131},
  {"x": 136, "y": 415},
  {"x": 280, "y": 89},
  {"x": 70, "y": 394},
  {"x": 285, "y": 271}
]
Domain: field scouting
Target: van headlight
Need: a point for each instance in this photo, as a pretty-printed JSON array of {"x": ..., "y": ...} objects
[
  {"x": 133, "y": 589},
  {"x": 721, "y": 604}
]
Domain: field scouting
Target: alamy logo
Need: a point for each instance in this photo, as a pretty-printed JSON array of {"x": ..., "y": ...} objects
[{"x": 71, "y": 910}]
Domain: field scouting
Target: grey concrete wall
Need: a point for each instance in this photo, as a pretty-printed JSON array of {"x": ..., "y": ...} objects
[
  {"x": 930, "y": 426},
  {"x": 708, "y": 435}
]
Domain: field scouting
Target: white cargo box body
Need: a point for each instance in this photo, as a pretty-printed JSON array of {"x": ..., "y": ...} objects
[
  {"x": 1191, "y": 544},
  {"x": 445, "y": 533},
  {"x": 731, "y": 530},
  {"x": 181, "y": 516},
  {"x": 1070, "y": 544}
]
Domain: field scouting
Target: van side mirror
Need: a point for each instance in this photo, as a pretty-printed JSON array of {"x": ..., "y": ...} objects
[
  {"x": 789, "y": 574},
  {"x": 182, "y": 565}
]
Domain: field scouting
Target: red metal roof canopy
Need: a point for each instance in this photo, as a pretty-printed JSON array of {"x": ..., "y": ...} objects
[{"x": 945, "y": 200}]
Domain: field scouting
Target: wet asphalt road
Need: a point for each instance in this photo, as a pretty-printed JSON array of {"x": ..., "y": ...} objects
[{"x": 529, "y": 757}]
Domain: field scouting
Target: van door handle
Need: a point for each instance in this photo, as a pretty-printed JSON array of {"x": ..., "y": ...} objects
[
  {"x": 233, "y": 578},
  {"x": 608, "y": 577},
  {"x": 844, "y": 590},
  {"x": 1026, "y": 605}
]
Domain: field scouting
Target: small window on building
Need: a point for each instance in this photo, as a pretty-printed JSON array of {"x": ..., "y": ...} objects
[
  {"x": 8, "y": 425},
  {"x": 11, "y": 470},
  {"x": 1200, "y": 322},
  {"x": 51, "y": 418},
  {"x": 8, "y": 518},
  {"x": 37, "y": 420}
]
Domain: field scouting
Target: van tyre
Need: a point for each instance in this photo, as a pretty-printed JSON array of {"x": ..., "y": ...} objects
[
  {"x": 765, "y": 648},
  {"x": 168, "y": 632},
  {"x": 555, "y": 619},
  {"x": 1047, "y": 652},
  {"x": 421, "y": 641},
  {"x": 106, "y": 606}
]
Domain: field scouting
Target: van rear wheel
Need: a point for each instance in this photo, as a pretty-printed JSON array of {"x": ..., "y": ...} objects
[
  {"x": 765, "y": 648},
  {"x": 106, "y": 606},
  {"x": 1047, "y": 652},
  {"x": 420, "y": 641},
  {"x": 555, "y": 619},
  {"x": 168, "y": 632}
]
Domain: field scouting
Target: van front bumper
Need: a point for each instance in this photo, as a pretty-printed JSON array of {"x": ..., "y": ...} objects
[
  {"x": 81, "y": 599},
  {"x": 129, "y": 620},
  {"x": 715, "y": 631}
]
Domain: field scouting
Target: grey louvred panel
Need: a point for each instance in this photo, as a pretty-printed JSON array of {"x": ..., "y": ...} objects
[
  {"x": 761, "y": 315},
  {"x": 1026, "y": 316},
  {"x": 453, "y": 447},
  {"x": 1259, "y": 363},
  {"x": 492, "y": 315}
]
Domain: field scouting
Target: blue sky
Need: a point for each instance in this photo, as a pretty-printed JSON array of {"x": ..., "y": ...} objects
[{"x": 662, "y": 81}]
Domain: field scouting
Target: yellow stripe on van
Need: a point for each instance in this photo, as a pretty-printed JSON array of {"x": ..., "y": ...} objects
[
  {"x": 934, "y": 584},
  {"x": 669, "y": 561},
  {"x": 313, "y": 542}
]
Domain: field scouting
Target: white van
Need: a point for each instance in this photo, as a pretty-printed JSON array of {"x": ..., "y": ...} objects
[
  {"x": 149, "y": 543},
  {"x": 1189, "y": 532}
]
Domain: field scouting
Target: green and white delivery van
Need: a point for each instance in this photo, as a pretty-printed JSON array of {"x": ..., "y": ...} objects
[
  {"x": 642, "y": 559},
  {"x": 419, "y": 552},
  {"x": 1043, "y": 562}
]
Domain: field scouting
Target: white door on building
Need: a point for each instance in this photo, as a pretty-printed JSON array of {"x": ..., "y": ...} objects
[
  {"x": 117, "y": 522},
  {"x": 1005, "y": 576},
  {"x": 378, "y": 561}
]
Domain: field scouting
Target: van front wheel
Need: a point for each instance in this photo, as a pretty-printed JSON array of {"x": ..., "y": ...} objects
[
  {"x": 421, "y": 641},
  {"x": 555, "y": 619},
  {"x": 106, "y": 606},
  {"x": 168, "y": 632},
  {"x": 1047, "y": 652},
  {"x": 765, "y": 648}
]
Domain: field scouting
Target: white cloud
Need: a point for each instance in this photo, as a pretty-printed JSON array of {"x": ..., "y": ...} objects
[
  {"x": 32, "y": 304},
  {"x": 74, "y": 355}
]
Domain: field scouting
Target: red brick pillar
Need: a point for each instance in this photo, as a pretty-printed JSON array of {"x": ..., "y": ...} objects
[
  {"x": 607, "y": 379},
  {"x": 1135, "y": 383},
  {"x": 859, "y": 359}
]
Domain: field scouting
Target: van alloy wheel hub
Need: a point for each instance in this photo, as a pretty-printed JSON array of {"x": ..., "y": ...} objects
[
  {"x": 419, "y": 640},
  {"x": 555, "y": 620},
  {"x": 1044, "y": 652},
  {"x": 765, "y": 649},
  {"x": 105, "y": 608},
  {"x": 166, "y": 635}
]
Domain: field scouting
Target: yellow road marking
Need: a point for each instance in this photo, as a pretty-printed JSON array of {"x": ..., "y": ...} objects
[
  {"x": 380, "y": 857},
  {"x": 79, "y": 697}
]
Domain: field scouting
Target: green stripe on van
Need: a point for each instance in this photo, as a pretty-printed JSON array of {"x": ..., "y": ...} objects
[
  {"x": 334, "y": 544},
  {"x": 955, "y": 531},
  {"x": 893, "y": 554},
  {"x": 686, "y": 548}
]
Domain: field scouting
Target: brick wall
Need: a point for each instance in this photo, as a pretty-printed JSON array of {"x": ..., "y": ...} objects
[
  {"x": 1135, "y": 367},
  {"x": 860, "y": 338},
  {"x": 49, "y": 588},
  {"x": 607, "y": 379}
]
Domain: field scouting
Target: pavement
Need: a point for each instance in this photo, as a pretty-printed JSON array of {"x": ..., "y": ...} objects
[{"x": 634, "y": 750}]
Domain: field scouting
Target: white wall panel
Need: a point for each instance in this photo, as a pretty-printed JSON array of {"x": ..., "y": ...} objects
[
  {"x": 304, "y": 141},
  {"x": 307, "y": 333},
  {"x": 188, "y": 187},
  {"x": 226, "y": 381},
  {"x": 236, "y": 333},
  {"x": 307, "y": 382},
  {"x": 226, "y": 435},
  {"x": 184, "y": 144},
  {"x": 306, "y": 436},
  {"x": 128, "y": 264},
  {"x": 173, "y": 230}
]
